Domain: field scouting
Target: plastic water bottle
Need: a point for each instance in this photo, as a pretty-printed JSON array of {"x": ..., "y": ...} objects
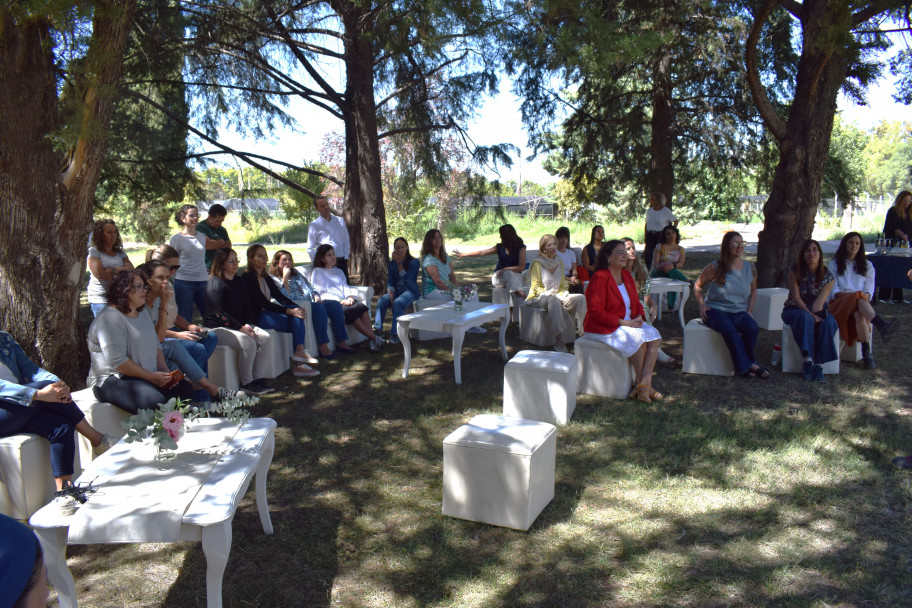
[{"x": 776, "y": 359}]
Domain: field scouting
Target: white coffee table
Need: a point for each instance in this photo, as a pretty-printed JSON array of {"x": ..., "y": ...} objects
[
  {"x": 659, "y": 286},
  {"x": 208, "y": 516},
  {"x": 443, "y": 318}
]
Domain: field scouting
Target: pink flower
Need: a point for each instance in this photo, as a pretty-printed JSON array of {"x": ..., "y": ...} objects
[{"x": 173, "y": 422}]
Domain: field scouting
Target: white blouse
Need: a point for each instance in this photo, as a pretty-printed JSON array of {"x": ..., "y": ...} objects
[
  {"x": 331, "y": 284},
  {"x": 850, "y": 281}
]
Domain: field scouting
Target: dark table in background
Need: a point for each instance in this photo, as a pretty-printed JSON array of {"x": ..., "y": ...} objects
[{"x": 890, "y": 270}]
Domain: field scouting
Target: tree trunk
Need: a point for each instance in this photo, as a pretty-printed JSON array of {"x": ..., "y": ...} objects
[
  {"x": 662, "y": 140},
  {"x": 364, "y": 212},
  {"x": 45, "y": 214},
  {"x": 804, "y": 147}
]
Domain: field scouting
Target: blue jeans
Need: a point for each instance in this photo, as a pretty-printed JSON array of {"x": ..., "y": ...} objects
[
  {"x": 188, "y": 293},
  {"x": 328, "y": 311},
  {"x": 200, "y": 350},
  {"x": 96, "y": 308},
  {"x": 178, "y": 357},
  {"x": 286, "y": 323},
  {"x": 739, "y": 330},
  {"x": 52, "y": 420},
  {"x": 812, "y": 337},
  {"x": 400, "y": 305},
  {"x": 132, "y": 394}
]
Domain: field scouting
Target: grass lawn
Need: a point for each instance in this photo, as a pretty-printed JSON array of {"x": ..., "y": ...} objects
[{"x": 729, "y": 493}]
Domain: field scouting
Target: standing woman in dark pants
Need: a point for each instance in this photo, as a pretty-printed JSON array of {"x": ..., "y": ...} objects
[
  {"x": 657, "y": 217},
  {"x": 33, "y": 400},
  {"x": 897, "y": 226}
]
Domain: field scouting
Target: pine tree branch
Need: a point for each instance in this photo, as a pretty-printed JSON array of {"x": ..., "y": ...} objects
[
  {"x": 419, "y": 80},
  {"x": 793, "y": 7}
]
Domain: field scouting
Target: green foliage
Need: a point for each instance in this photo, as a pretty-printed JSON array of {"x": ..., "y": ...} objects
[
  {"x": 845, "y": 172},
  {"x": 888, "y": 158}
]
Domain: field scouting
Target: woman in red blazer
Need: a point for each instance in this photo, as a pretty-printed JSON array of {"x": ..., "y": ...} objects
[{"x": 615, "y": 317}]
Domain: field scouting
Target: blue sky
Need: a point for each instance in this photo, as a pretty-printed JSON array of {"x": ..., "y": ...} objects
[{"x": 499, "y": 121}]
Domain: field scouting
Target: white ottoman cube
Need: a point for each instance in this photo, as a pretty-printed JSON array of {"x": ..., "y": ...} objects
[
  {"x": 853, "y": 353},
  {"x": 534, "y": 327},
  {"x": 705, "y": 351},
  {"x": 604, "y": 371},
  {"x": 223, "y": 368},
  {"x": 792, "y": 360},
  {"x": 106, "y": 418},
  {"x": 499, "y": 470},
  {"x": 541, "y": 385},
  {"x": 26, "y": 483},
  {"x": 277, "y": 354},
  {"x": 768, "y": 307}
]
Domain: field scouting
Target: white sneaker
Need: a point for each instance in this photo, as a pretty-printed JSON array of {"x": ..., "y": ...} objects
[
  {"x": 375, "y": 344},
  {"x": 106, "y": 442},
  {"x": 663, "y": 358}
]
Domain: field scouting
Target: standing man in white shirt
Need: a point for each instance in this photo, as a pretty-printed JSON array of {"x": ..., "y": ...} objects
[{"x": 331, "y": 230}]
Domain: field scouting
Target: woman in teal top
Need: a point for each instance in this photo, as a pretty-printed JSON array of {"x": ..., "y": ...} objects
[
  {"x": 730, "y": 290},
  {"x": 438, "y": 280}
]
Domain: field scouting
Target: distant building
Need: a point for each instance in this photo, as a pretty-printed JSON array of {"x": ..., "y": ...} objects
[{"x": 269, "y": 205}]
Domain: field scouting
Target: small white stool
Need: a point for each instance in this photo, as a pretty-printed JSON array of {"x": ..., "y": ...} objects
[
  {"x": 26, "y": 481},
  {"x": 534, "y": 327},
  {"x": 106, "y": 418},
  {"x": 499, "y": 470},
  {"x": 768, "y": 307},
  {"x": 604, "y": 371},
  {"x": 277, "y": 354},
  {"x": 541, "y": 385},
  {"x": 223, "y": 368},
  {"x": 705, "y": 351},
  {"x": 792, "y": 360}
]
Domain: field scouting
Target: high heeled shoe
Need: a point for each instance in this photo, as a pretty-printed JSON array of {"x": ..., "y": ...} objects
[
  {"x": 655, "y": 395},
  {"x": 643, "y": 393}
]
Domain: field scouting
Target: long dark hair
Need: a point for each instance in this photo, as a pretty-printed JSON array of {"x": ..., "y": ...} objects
[
  {"x": 861, "y": 262},
  {"x": 900, "y": 211},
  {"x": 119, "y": 289},
  {"x": 98, "y": 236},
  {"x": 218, "y": 262},
  {"x": 251, "y": 251},
  {"x": 592, "y": 235},
  {"x": 604, "y": 254},
  {"x": 724, "y": 263},
  {"x": 426, "y": 245},
  {"x": 509, "y": 238},
  {"x": 274, "y": 265},
  {"x": 182, "y": 213},
  {"x": 803, "y": 269},
  {"x": 408, "y": 254},
  {"x": 320, "y": 254}
]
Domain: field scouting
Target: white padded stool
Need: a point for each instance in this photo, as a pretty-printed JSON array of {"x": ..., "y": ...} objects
[
  {"x": 768, "y": 307},
  {"x": 499, "y": 295},
  {"x": 26, "y": 483},
  {"x": 541, "y": 385},
  {"x": 223, "y": 368},
  {"x": 792, "y": 359},
  {"x": 277, "y": 353},
  {"x": 853, "y": 353},
  {"x": 604, "y": 371},
  {"x": 106, "y": 418},
  {"x": 534, "y": 327},
  {"x": 499, "y": 470},
  {"x": 705, "y": 351}
]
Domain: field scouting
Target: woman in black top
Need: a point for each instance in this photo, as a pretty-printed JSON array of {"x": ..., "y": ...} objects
[
  {"x": 286, "y": 316},
  {"x": 898, "y": 227},
  {"x": 227, "y": 311}
]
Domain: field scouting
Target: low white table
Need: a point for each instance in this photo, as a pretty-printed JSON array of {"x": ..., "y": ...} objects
[
  {"x": 247, "y": 453},
  {"x": 659, "y": 286},
  {"x": 443, "y": 318}
]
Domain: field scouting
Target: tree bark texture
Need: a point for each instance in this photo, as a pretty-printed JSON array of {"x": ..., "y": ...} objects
[
  {"x": 46, "y": 197},
  {"x": 662, "y": 139},
  {"x": 803, "y": 137},
  {"x": 364, "y": 212}
]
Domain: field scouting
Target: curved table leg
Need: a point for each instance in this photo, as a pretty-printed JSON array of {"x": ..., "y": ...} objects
[
  {"x": 53, "y": 545},
  {"x": 685, "y": 293},
  {"x": 504, "y": 321},
  {"x": 458, "y": 338},
  {"x": 216, "y": 546},
  {"x": 261, "y": 472},
  {"x": 403, "y": 332}
]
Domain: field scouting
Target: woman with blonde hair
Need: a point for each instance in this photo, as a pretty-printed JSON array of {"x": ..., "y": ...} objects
[
  {"x": 550, "y": 290},
  {"x": 897, "y": 226}
]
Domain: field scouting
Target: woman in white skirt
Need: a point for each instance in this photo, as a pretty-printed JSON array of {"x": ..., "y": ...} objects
[
  {"x": 550, "y": 290},
  {"x": 615, "y": 317}
]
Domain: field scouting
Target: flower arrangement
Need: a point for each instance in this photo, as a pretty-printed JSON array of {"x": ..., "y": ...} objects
[
  {"x": 465, "y": 293},
  {"x": 166, "y": 424}
]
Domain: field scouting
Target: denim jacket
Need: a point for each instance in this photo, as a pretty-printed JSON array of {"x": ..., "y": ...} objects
[
  {"x": 13, "y": 357},
  {"x": 399, "y": 285}
]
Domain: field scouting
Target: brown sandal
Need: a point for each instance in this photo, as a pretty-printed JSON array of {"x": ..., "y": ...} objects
[
  {"x": 633, "y": 393},
  {"x": 655, "y": 395},
  {"x": 643, "y": 393}
]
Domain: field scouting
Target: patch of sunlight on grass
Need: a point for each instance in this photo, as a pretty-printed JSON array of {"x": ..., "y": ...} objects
[
  {"x": 655, "y": 571},
  {"x": 480, "y": 592}
]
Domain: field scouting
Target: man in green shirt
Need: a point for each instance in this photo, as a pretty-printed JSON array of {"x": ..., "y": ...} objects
[{"x": 212, "y": 228}]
